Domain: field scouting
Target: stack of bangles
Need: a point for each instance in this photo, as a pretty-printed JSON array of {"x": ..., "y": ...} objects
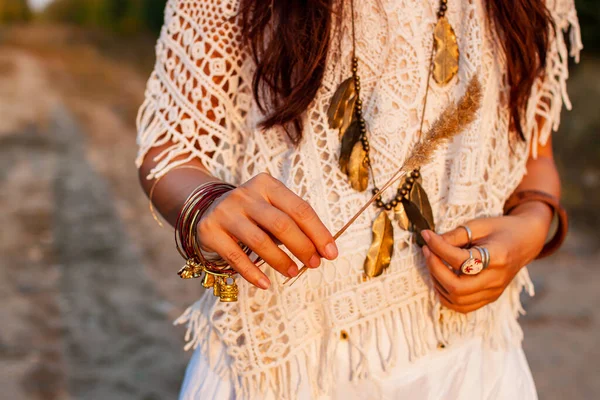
[{"x": 217, "y": 272}]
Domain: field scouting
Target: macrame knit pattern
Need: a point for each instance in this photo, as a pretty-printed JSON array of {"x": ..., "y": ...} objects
[{"x": 199, "y": 100}]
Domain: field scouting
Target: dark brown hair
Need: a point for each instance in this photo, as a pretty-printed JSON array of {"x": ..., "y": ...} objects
[{"x": 289, "y": 40}]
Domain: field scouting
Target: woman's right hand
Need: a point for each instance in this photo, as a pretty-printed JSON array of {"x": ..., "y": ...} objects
[{"x": 256, "y": 213}]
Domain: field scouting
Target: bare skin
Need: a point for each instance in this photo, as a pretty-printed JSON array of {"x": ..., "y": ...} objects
[
  {"x": 263, "y": 211},
  {"x": 259, "y": 213},
  {"x": 513, "y": 241}
]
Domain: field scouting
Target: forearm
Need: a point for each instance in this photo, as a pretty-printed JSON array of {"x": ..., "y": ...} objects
[
  {"x": 542, "y": 175},
  {"x": 174, "y": 188}
]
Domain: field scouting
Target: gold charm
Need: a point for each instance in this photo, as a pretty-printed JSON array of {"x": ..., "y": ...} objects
[
  {"x": 401, "y": 217},
  {"x": 445, "y": 62},
  {"x": 380, "y": 253},
  {"x": 419, "y": 212},
  {"x": 419, "y": 197},
  {"x": 229, "y": 291},
  {"x": 350, "y": 138},
  {"x": 217, "y": 286},
  {"x": 190, "y": 270},
  {"x": 358, "y": 168},
  {"x": 208, "y": 281},
  {"x": 341, "y": 109},
  {"x": 417, "y": 221}
]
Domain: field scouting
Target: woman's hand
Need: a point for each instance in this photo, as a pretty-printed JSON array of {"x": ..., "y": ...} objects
[
  {"x": 513, "y": 241},
  {"x": 257, "y": 213}
]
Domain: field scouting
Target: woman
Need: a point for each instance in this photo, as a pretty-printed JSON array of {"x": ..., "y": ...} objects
[{"x": 240, "y": 94}]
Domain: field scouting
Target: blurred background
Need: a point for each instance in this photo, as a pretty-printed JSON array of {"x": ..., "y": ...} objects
[{"x": 87, "y": 279}]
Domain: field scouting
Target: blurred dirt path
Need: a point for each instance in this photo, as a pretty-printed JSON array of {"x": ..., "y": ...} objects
[
  {"x": 119, "y": 340},
  {"x": 563, "y": 320},
  {"x": 86, "y": 304},
  {"x": 87, "y": 280}
]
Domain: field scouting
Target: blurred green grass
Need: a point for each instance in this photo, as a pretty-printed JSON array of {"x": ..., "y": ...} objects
[
  {"x": 131, "y": 16},
  {"x": 124, "y": 17}
]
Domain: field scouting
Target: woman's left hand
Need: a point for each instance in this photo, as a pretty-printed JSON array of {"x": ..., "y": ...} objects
[{"x": 512, "y": 241}]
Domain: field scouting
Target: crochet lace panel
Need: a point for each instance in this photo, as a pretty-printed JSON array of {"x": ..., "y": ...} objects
[{"x": 199, "y": 102}]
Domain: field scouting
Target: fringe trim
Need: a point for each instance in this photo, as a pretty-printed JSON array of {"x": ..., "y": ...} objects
[
  {"x": 154, "y": 132},
  {"x": 312, "y": 367},
  {"x": 547, "y": 100}
]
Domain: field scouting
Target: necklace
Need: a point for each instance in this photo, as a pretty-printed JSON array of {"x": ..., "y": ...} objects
[{"x": 410, "y": 205}]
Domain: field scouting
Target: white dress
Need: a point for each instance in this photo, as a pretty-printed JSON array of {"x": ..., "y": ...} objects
[
  {"x": 335, "y": 334},
  {"x": 466, "y": 370}
]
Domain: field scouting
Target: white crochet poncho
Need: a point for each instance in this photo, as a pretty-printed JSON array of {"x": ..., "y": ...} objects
[{"x": 199, "y": 100}]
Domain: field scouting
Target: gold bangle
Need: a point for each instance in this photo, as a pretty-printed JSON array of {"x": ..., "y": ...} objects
[{"x": 151, "y": 192}]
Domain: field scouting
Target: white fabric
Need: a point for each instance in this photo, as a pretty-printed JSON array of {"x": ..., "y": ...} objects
[
  {"x": 466, "y": 371},
  {"x": 199, "y": 101}
]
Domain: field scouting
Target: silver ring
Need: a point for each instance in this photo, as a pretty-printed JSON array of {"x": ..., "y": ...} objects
[
  {"x": 485, "y": 255},
  {"x": 469, "y": 235},
  {"x": 471, "y": 266}
]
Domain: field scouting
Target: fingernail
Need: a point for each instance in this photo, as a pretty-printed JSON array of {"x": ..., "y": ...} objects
[
  {"x": 426, "y": 251},
  {"x": 426, "y": 235},
  {"x": 264, "y": 283},
  {"x": 293, "y": 271},
  {"x": 314, "y": 261},
  {"x": 331, "y": 251}
]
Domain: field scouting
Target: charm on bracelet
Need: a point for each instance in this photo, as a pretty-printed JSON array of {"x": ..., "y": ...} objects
[
  {"x": 228, "y": 292},
  {"x": 191, "y": 270}
]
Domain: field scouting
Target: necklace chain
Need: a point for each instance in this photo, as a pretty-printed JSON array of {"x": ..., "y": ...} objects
[{"x": 405, "y": 187}]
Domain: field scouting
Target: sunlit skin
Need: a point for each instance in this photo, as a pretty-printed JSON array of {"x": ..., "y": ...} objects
[
  {"x": 263, "y": 213},
  {"x": 260, "y": 213},
  {"x": 513, "y": 241}
]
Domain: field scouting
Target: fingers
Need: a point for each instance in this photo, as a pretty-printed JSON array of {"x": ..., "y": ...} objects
[
  {"x": 285, "y": 229},
  {"x": 488, "y": 296},
  {"x": 262, "y": 244},
  {"x": 452, "y": 284},
  {"x": 461, "y": 309},
  {"x": 304, "y": 216},
  {"x": 451, "y": 254},
  {"x": 229, "y": 250},
  {"x": 480, "y": 228},
  {"x": 458, "y": 237}
]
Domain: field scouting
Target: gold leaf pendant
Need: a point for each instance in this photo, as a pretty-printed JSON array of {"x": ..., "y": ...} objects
[
  {"x": 349, "y": 140},
  {"x": 419, "y": 197},
  {"x": 418, "y": 209},
  {"x": 358, "y": 168},
  {"x": 445, "y": 63},
  {"x": 401, "y": 216},
  {"x": 341, "y": 109},
  {"x": 382, "y": 247}
]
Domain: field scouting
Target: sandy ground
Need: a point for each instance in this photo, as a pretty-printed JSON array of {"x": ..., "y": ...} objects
[{"x": 87, "y": 280}]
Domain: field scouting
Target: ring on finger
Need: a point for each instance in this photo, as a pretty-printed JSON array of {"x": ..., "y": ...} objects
[
  {"x": 485, "y": 255},
  {"x": 472, "y": 265},
  {"x": 469, "y": 235}
]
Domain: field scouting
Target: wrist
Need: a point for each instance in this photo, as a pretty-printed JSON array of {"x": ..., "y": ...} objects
[
  {"x": 534, "y": 209},
  {"x": 537, "y": 213},
  {"x": 541, "y": 211}
]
